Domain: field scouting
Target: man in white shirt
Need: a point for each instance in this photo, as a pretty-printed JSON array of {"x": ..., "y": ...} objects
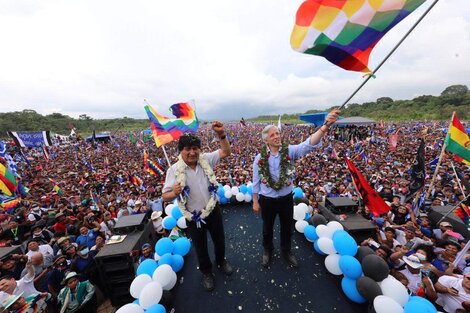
[
  {"x": 193, "y": 182},
  {"x": 46, "y": 251},
  {"x": 453, "y": 292},
  {"x": 24, "y": 286}
]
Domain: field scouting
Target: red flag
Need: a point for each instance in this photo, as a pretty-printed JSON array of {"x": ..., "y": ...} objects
[
  {"x": 392, "y": 141},
  {"x": 371, "y": 198}
]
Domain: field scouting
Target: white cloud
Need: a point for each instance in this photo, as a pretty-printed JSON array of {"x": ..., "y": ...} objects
[{"x": 233, "y": 57}]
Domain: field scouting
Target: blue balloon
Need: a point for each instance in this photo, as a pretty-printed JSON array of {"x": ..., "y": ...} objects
[
  {"x": 166, "y": 259},
  {"x": 221, "y": 192},
  {"x": 164, "y": 245},
  {"x": 419, "y": 304},
  {"x": 307, "y": 216},
  {"x": 250, "y": 189},
  {"x": 317, "y": 248},
  {"x": 177, "y": 262},
  {"x": 169, "y": 223},
  {"x": 349, "y": 288},
  {"x": 147, "y": 267},
  {"x": 298, "y": 193},
  {"x": 136, "y": 301},
  {"x": 350, "y": 267},
  {"x": 182, "y": 246},
  {"x": 224, "y": 200},
  {"x": 344, "y": 243},
  {"x": 156, "y": 308},
  {"x": 176, "y": 213},
  {"x": 310, "y": 232},
  {"x": 243, "y": 189}
]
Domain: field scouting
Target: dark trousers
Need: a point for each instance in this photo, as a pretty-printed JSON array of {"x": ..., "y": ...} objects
[
  {"x": 270, "y": 207},
  {"x": 215, "y": 227}
]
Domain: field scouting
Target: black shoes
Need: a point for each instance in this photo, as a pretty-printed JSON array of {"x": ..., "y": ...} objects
[
  {"x": 267, "y": 256},
  {"x": 226, "y": 268},
  {"x": 290, "y": 258},
  {"x": 208, "y": 281}
]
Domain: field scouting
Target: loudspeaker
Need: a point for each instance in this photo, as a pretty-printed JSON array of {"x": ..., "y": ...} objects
[
  {"x": 341, "y": 205},
  {"x": 130, "y": 223},
  {"x": 7, "y": 251},
  {"x": 356, "y": 225},
  {"x": 117, "y": 264}
]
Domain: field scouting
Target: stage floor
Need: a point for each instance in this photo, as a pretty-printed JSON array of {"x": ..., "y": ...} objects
[{"x": 252, "y": 288}]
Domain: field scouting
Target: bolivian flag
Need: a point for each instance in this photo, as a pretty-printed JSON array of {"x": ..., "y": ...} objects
[
  {"x": 457, "y": 140},
  {"x": 8, "y": 183}
]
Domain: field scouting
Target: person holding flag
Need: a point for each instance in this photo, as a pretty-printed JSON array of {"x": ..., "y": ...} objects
[
  {"x": 273, "y": 174},
  {"x": 193, "y": 183}
]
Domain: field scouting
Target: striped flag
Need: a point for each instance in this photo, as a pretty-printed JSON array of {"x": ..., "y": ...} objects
[
  {"x": 165, "y": 130},
  {"x": 463, "y": 211},
  {"x": 8, "y": 183},
  {"x": 457, "y": 140},
  {"x": 45, "y": 152}
]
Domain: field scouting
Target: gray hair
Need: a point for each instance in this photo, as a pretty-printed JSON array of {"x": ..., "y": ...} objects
[{"x": 264, "y": 133}]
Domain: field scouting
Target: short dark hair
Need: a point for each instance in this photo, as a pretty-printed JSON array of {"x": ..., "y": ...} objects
[{"x": 188, "y": 140}]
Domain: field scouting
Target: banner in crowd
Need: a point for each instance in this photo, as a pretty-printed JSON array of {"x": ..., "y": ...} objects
[
  {"x": 370, "y": 197},
  {"x": 31, "y": 139},
  {"x": 392, "y": 141}
]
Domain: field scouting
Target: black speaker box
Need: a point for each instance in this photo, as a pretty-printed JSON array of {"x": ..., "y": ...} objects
[
  {"x": 341, "y": 205},
  {"x": 130, "y": 223}
]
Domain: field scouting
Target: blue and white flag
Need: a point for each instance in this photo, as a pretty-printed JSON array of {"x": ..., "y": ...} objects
[{"x": 3, "y": 148}]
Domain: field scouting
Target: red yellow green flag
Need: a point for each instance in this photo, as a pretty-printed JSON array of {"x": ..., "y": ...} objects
[{"x": 457, "y": 140}]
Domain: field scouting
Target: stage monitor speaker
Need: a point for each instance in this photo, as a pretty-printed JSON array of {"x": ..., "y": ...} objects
[
  {"x": 117, "y": 265},
  {"x": 7, "y": 251},
  {"x": 341, "y": 205},
  {"x": 128, "y": 224},
  {"x": 355, "y": 224}
]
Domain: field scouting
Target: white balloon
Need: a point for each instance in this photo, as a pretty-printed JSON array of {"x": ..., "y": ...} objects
[
  {"x": 163, "y": 275},
  {"x": 300, "y": 226},
  {"x": 392, "y": 288},
  {"x": 181, "y": 223},
  {"x": 150, "y": 295},
  {"x": 299, "y": 213},
  {"x": 138, "y": 284},
  {"x": 156, "y": 256},
  {"x": 168, "y": 209},
  {"x": 130, "y": 308},
  {"x": 240, "y": 197},
  {"x": 235, "y": 190},
  {"x": 332, "y": 264},
  {"x": 226, "y": 188},
  {"x": 325, "y": 231},
  {"x": 326, "y": 245},
  {"x": 248, "y": 197},
  {"x": 384, "y": 304},
  {"x": 171, "y": 284},
  {"x": 303, "y": 207},
  {"x": 334, "y": 225},
  {"x": 228, "y": 194}
]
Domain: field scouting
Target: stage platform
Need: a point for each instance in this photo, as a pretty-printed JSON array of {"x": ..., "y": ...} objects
[{"x": 252, "y": 288}]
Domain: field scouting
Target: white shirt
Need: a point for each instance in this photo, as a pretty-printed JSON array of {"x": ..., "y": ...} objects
[
  {"x": 26, "y": 286},
  {"x": 45, "y": 250},
  {"x": 196, "y": 180},
  {"x": 414, "y": 280},
  {"x": 449, "y": 302}
]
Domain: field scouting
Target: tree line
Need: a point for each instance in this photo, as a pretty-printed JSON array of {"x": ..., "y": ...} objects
[{"x": 425, "y": 107}]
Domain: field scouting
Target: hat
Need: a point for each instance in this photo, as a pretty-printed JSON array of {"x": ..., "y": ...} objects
[
  {"x": 36, "y": 208},
  {"x": 445, "y": 224},
  {"x": 59, "y": 257},
  {"x": 138, "y": 202},
  {"x": 69, "y": 276},
  {"x": 39, "y": 224},
  {"x": 146, "y": 245},
  {"x": 69, "y": 246},
  {"x": 59, "y": 215},
  {"x": 412, "y": 261},
  {"x": 62, "y": 239},
  {"x": 155, "y": 215},
  {"x": 9, "y": 300}
]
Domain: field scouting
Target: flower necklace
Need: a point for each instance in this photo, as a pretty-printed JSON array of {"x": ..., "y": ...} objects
[
  {"x": 286, "y": 172},
  {"x": 197, "y": 216}
]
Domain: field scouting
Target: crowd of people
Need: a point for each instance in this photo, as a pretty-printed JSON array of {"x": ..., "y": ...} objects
[{"x": 73, "y": 197}]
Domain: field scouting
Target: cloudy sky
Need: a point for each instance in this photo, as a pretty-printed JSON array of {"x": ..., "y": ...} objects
[{"x": 233, "y": 57}]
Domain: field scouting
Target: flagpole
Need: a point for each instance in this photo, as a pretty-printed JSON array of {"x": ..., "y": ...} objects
[
  {"x": 166, "y": 156},
  {"x": 458, "y": 179},
  {"x": 453, "y": 208},
  {"x": 439, "y": 162}
]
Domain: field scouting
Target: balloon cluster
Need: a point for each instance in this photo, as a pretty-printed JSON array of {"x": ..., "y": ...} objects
[
  {"x": 153, "y": 277},
  {"x": 301, "y": 214},
  {"x": 242, "y": 193},
  {"x": 173, "y": 218},
  {"x": 365, "y": 275}
]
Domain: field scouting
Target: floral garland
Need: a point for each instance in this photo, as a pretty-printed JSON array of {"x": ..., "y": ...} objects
[
  {"x": 197, "y": 216},
  {"x": 286, "y": 172}
]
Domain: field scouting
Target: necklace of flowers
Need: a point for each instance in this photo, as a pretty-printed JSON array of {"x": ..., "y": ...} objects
[
  {"x": 196, "y": 216},
  {"x": 286, "y": 172}
]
